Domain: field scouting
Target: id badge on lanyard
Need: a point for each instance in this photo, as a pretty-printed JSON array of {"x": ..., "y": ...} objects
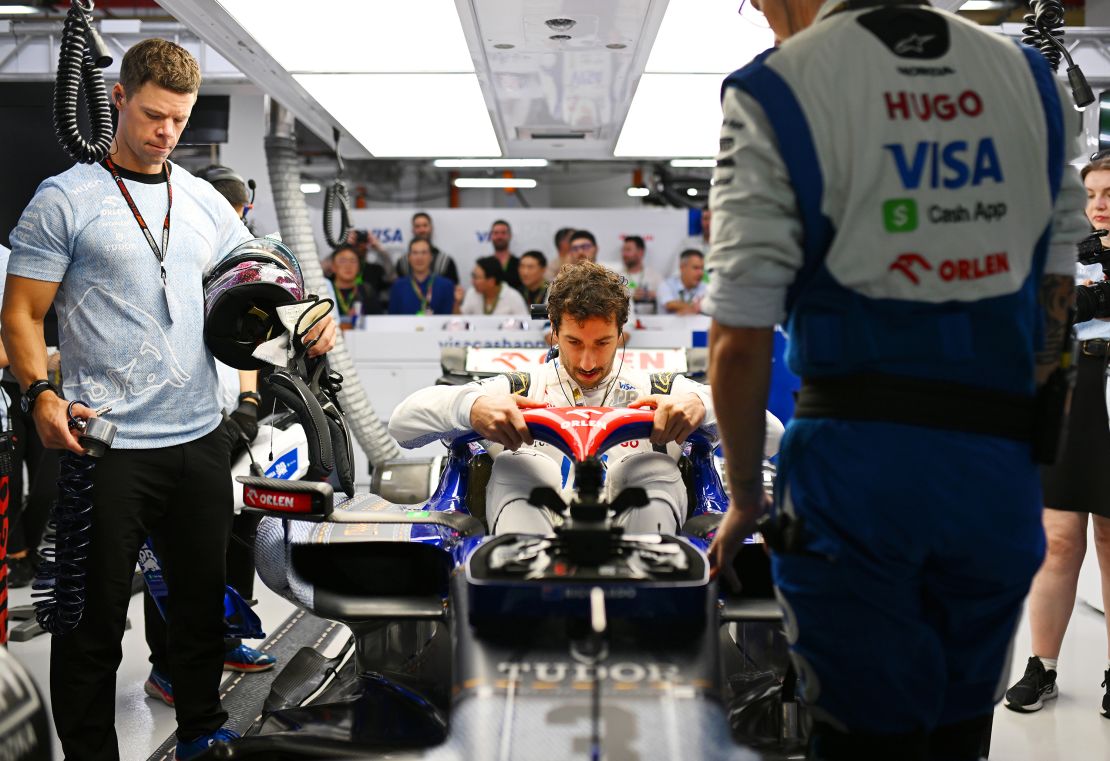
[{"x": 174, "y": 305}]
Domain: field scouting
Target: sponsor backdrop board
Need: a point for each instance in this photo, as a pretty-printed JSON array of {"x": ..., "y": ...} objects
[{"x": 484, "y": 360}]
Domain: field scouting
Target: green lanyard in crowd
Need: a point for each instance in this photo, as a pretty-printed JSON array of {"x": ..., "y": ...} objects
[
  {"x": 490, "y": 310},
  {"x": 345, "y": 304},
  {"x": 425, "y": 298}
]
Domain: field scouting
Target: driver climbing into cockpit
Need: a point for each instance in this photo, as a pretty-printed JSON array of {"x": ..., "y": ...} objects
[{"x": 587, "y": 305}]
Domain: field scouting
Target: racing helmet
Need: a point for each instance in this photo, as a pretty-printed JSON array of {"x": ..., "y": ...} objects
[{"x": 241, "y": 297}]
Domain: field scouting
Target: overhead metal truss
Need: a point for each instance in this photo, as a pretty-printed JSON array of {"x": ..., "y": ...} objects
[{"x": 29, "y": 49}]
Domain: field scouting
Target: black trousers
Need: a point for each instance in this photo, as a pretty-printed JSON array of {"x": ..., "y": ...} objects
[
  {"x": 181, "y": 497},
  {"x": 240, "y": 575}
]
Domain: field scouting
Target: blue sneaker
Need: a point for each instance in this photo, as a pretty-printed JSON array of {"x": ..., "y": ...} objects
[
  {"x": 159, "y": 687},
  {"x": 245, "y": 658},
  {"x": 193, "y": 748}
]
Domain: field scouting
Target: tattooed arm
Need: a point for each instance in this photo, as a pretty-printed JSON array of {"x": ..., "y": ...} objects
[
  {"x": 1069, "y": 226},
  {"x": 1056, "y": 297}
]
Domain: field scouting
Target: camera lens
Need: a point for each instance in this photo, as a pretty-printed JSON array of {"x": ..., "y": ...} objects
[{"x": 1092, "y": 301}]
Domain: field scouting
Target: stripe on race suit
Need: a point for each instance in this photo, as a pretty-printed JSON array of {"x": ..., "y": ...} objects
[
  {"x": 1054, "y": 124},
  {"x": 1054, "y": 117},
  {"x": 788, "y": 121}
]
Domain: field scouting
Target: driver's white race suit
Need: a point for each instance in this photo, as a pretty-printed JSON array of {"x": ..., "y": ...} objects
[{"x": 443, "y": 412}]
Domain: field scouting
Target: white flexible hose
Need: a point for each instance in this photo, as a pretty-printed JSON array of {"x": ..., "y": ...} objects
[{"x": 296, "y": 232}]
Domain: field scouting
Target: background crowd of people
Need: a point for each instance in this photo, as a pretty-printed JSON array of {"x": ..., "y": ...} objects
[{"x": 425, "y": 280}]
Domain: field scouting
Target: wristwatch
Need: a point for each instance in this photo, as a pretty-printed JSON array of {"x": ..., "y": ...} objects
[
  {"x": 27, "y": 400},
  {"x": 254, "y": 396}
]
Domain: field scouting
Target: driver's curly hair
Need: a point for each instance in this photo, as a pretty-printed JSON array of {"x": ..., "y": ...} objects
[{"x": 585, "y": 290}]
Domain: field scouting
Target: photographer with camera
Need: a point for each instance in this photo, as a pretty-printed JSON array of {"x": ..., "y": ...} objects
[
  {"x": 378, "y": 272},
  {"x": 1073, "y": 487}
]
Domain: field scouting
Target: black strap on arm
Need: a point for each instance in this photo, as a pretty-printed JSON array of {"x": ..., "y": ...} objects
[
  {"x": 520, "y": 382},
  {"x": 663, "y": 382}
]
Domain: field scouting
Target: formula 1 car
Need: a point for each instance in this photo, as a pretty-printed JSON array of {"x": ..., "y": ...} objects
[{"x": 590, "y": 642}]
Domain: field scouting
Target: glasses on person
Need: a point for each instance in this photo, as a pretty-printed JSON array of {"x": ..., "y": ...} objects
[
  {"x": 1102, "y": 154},
  {"x": 581, "y": 247},
  {"x": 751, "y": 13}
]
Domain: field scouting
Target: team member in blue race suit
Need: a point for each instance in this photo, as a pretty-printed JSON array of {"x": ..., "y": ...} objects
[
  {"x": 121, "y": 249},
  {"x": 892, "y": 186}
]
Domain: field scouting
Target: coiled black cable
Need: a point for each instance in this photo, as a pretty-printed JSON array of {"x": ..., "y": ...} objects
[
  {"x": 59, "y": 586},
  {"x": 337, "y": 194},
  {"x": 1044, "y": 30},
  {"x": 1045, "y": 19},
  {"x": 80, "y": 55}
]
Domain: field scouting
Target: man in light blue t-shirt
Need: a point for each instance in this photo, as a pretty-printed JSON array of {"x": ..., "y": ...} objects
[
  {"x": 121, "y": 249},
  {"x": 682, "y": 293}
]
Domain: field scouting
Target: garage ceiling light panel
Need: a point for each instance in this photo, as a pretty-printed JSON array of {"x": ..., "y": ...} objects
[
  {"x": 430, "y": 115},
  {"x": 364, "y": 36},
  {"x": 673, "y": 115},
  {"x": 494, "y": 182},
  {"x": 488, "y": 163},
  {"x": 676, "y": 110},
  {"x": 397, "y": 75},
  {"x": 725, "y": 40}
]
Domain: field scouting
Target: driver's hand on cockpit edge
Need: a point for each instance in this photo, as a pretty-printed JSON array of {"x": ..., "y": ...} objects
[
  {"x": 676, "y": 417},
  {"x": 498, "y": 419}
]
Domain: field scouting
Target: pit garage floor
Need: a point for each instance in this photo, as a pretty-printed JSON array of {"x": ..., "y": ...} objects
[
  {"x": 142, "y": 724},
  {"x": 1071, "y": 726},
  {"x": 1067, "y": 728}
]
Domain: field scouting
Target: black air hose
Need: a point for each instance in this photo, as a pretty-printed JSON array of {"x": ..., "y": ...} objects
[
  {"x": 81, "y": 57},
  {"x": 1045, "y": 19},
  {"x": 337, "y": 193},
  {"x": 1044, "y": 30},
  {"x": 59, "y": 586}
]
